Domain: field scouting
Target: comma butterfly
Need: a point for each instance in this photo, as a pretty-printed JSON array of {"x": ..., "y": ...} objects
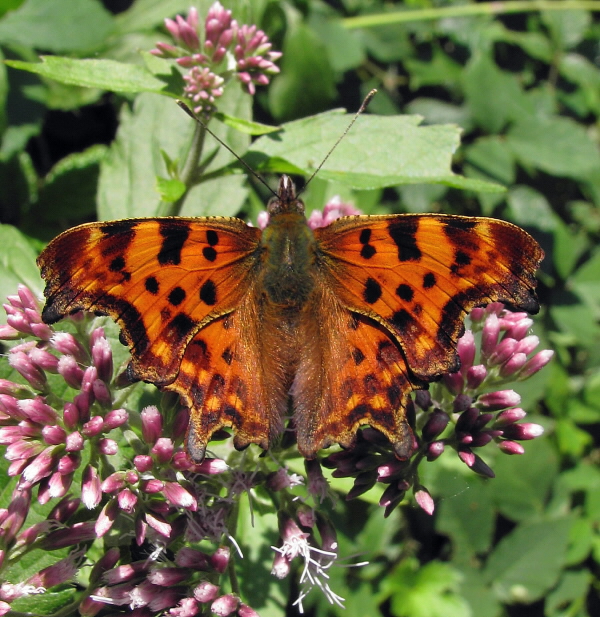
[{"x": 341, "y": 321}]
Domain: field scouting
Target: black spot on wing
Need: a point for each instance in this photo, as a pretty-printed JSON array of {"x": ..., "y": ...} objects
[
  {"x": 372, "y": 291},
  {"x": 174, "y": 237},
  {"x": 368, "y": 250},
  {"x": 151, "y": 285},
  {"x": 227, "y": 356},
  {"x": 176, "y": 296},
  {"x": 117, "y": 264},
  {"x": 208, "y": 293},
  {"x": 405, "y": 292},
  {"x": 429, "y": 280},
  {"x": 404, "y": 234},
  {"x": 212, "y": 237},
  {"x": 179, "y": 327},
  {"x": 119, "y": 236},
  {"x": 209, "y": 253},
  {"x": 402, "y": 320},
  {"x": 358, "y": 356}
]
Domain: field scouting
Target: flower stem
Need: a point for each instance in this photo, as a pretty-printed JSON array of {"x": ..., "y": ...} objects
[
  {"x": 467, "y": 10},
  {"x": 188, "y": 172}
]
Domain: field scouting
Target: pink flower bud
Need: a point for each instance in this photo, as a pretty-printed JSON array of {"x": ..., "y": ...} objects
[
  {"x": 511, "y": 447},
  {"x": 22, "y": 449},
  {"x": 126, "y": 572},
  {"x": 67, "y": 344},
  {"x": 158, "y": 523},
  {"x": 127, "y": 500},
  {"x": 41, "y": 331},
  {"x": 91, "y": 491},
  {"x": 64, "y": 510},
  {"x": 509, "y": 416},
  {"x": 538, "y": 362},
  {"x": 246, "y": 611},
  {"x": 225, "y": 605},
  {"x": 102, "y": 359},
  {"x": 178, "y": 496},
  {"x": 70, "y": 415},
  {"x": 70, "y": 371},
  {"x": 461, "y": 403},
  {"x": 108, "y": 447},
  {"x": 152, "y": 486},
  {"x": 211, "y": 466},
  {"x": 167, "y": 576},
  {"x": 219, "y": 560},
  {"x": 502, "y": 352},
  {"x": 106, "y": 518},
  {"x": 435, "y": 425},
  {"x": 454, "y": 382},
  {"x": 466, "y": 350},
  {"x": 11, "y": 434},
  {"x": 489, "y": 335},
  {"x": 40, "y": 467},
  {"x": 434, "y": 450},
  {"x": 24, "y": 366},
  {"x": 187, "y": 607},
  {"x": 151, "y": 424},
  {"x": 115, "y": 482},
  {"x": 206, "y": 592},
  {"x": 143, "y": 462},
  {"x": 520, "y": 329},
  {"x": 115, "y": 419},
  {"x": 163, "y": 449},
  {"x": 68, "y": 464},
  {"x": 194, "y": 559},
  {"x": 69, "y": 536},
  {"x": 36, "y": 410},
  {"x": 44, "y": 359},
  {"x": 522, "y": 432},
  {"x": 499, "y": 400},
  {"x": 74, "y": 442},
  {"x": 93, "y": 427},
  {"x": 528, "y": 344},
  {"x": 53, "y": 435},
  {"x": 513, "y": 365},
  {"x": 475, "y": 376},
  {"x": 101, "y": 392},
  {"x": 425, "y": 501},
  {"x": 58, "y": 485}
]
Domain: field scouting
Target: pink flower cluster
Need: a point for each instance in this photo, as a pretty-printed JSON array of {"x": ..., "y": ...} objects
[{"x": 226, "y": 48}]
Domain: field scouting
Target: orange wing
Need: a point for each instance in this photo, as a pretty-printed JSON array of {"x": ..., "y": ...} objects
[
  {"x": 351, "y": 372},
  {"x": 161, "y": 280},
  {"x": 419, "y": 275},
  {"x": 231, "y": 375}
]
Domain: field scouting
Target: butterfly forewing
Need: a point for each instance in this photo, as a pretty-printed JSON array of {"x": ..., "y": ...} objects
[
  {"x": 419, "y": 275},
  {"x": 160, "y": 279}
]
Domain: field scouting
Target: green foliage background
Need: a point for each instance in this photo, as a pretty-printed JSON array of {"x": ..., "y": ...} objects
[{"x": 81, "y": 142}]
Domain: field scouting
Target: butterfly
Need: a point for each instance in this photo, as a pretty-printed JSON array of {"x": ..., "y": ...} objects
[{"x": 338, "y": 323}]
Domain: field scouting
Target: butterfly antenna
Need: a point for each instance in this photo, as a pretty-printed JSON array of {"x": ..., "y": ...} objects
[
  {"x": 362, "y": 108},
  {"x": 191, "y": 114}
]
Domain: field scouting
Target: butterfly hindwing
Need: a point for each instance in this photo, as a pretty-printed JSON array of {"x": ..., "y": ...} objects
[
  {"x": 351, "y": 372},
  {"x": 160, "y": 279},
  {"x": 419, "y": 275}
]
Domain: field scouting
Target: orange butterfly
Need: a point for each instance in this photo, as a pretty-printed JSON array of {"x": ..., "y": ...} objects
[{"x": 342, "y": 321}]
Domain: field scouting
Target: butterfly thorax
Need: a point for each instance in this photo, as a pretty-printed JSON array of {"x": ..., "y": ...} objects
[{"x": 288, "y": 250}]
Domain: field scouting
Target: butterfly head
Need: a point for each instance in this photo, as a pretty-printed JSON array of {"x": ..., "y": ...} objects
[{"x": 285, "y": 200}]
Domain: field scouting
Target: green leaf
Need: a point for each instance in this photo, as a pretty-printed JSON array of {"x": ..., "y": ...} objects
[
  {"x": 530, "y": 208},
  {"x": 147, "y": 14},
  {"x": 559, "y": 146},
  {"x": 17, "y": 262},
  {"x": 568, "y": 28},
  {"x": 466, "y": 517},
  {"x": 60, "y": 26},
  {"x": 246, "y": 126},
  {"x": 481, "y": 77},
  {"x": 439, "y": 70},
  {"x": 170, "y": 189},
  {"x": 491, "y": 156},
  {"x": 586, "y": 280},
  {"x": 306, "y": 82},
  {"x": 104, "y": 74},
  {"x": 345, "y": 49},
  {"x": 378, "y": 151},
  {"x": 424, "y": 591},
  {"x": 522, "y": 483},
  {"x": 127, "y": 186},
  {"x": 569, "y": 594},
  {"x": 69, "y": 190},
  {"x": 528, "y": 561}
]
